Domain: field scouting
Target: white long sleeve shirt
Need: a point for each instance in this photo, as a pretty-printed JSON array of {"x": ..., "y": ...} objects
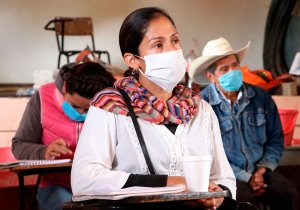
[{"x": 108, "y": 150}]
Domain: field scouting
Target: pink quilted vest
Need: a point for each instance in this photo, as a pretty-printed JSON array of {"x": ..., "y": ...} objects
[{"x": 56, "y": 125}]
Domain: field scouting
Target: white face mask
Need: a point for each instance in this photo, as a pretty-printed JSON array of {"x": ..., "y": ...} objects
[{"x": 165, "y": 69}]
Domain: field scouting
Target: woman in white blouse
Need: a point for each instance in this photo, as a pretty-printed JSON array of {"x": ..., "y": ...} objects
[{"x": 173, "y": 120}]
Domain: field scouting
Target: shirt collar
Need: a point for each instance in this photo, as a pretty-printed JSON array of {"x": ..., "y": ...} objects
[{"x": 215, "y": 96}]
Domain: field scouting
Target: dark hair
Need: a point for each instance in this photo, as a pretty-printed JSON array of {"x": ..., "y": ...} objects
[
  {"x": 135, "y": 27},
  {"x": 133, "y": 30},
  {"x": 86, "y": 79},
  {"x": 212, "y": 67}
]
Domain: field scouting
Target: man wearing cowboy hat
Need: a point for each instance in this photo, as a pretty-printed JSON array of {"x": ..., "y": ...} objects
[{"x": 249, "y": 123}]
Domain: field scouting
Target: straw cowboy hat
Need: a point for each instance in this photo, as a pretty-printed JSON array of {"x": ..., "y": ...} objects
[{"x": 213, "y": 51}]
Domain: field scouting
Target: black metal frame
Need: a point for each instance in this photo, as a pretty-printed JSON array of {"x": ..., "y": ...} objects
[
  {"x": 31, "y": 171},
  {"x": 60, "y": 41}
]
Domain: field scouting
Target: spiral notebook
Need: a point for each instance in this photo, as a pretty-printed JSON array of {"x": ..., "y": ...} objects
[{"x": 8, "y": 165}]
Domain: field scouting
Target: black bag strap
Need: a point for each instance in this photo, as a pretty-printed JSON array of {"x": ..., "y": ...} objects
[{"x": 138, "y": 131}]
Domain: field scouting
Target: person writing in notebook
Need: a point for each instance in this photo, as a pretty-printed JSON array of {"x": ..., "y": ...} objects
[
  {"x": 52, "y": 122},
  {"x": 173, "y": 120}
]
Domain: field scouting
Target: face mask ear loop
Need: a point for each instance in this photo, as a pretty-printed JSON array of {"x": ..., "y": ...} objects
[
  {"x": 135, "y": 72},
  {"x": 140, "y": 72},
  {"x": 137, "y": 56}
]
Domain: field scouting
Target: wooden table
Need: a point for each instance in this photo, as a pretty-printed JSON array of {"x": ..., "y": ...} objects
[
  {"x": 165, "y": 202},
  {"x": 36, "y": 169}
]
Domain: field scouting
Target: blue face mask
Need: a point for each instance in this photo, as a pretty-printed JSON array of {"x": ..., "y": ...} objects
[
  {"x": 232, "y": 80},
  {"x": 72, "y": 113}
]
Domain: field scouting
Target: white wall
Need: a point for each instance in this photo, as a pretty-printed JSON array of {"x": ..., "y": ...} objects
[{"x": 26, "y": 46}]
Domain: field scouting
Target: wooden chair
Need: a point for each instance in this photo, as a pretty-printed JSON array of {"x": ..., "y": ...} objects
[{"x": 77, "y": 26}]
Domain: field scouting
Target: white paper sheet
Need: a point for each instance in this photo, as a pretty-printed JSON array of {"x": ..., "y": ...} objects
[{"x": 109, "y": 193}]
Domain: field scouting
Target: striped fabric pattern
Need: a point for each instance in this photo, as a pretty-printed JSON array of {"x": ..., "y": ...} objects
[{"x": 180, "y": 108}]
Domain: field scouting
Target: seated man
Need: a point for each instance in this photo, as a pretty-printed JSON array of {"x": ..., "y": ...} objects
[
  {"x": 52, "y": 121},
  {"x": 250, "y": 126}
]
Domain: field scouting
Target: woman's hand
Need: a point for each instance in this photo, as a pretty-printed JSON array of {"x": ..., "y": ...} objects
[
  {"x": 56, "y": 149},
  {"x": 208, "y": 203},
  {"x": 173, "y": 180}
]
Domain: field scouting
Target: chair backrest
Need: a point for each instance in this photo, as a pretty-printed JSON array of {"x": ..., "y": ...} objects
[
  {"x": 79, "y": 26},
  {"x": 72, "y": 26}
]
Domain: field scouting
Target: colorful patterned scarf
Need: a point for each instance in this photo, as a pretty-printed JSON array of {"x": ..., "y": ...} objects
[{"x": 180, "y": 108}]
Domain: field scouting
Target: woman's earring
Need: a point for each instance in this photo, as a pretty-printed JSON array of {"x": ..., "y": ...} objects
[{"x": 134, "y": 72}]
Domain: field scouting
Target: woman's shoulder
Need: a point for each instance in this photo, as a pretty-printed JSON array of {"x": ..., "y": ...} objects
[
  {"x": 204, "y": 106},
  {"x": 97, "y": 114},
  {"x": 204, "y": 111},
  {"x": 204, "y": 118}
]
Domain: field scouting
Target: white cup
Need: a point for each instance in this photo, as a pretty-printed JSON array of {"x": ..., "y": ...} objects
[{"x": 196, "y": 170}]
